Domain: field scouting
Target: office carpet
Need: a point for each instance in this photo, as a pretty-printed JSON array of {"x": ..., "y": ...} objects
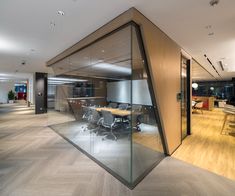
[{"x": 35, "y": 161}]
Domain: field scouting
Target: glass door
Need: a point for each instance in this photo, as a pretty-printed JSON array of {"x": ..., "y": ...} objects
[{"x": 184, "y": 99}]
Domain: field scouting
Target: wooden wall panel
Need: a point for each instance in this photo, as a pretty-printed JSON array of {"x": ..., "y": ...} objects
[{"x": 164, "y": 57}]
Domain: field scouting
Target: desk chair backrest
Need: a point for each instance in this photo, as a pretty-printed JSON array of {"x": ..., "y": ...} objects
[
  {"x": 112, "y": 105},
  {"x": 108, "y": 118},
  {"x": 86, "y": 112},
  {"x": 199, "y": 104},
  {"x": 136, "y": 108},
  {"x": 95, "y": 117},
  {"x": 123, "y": 106}
]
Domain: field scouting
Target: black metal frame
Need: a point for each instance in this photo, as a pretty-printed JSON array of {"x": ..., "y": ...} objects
[
  {"x": 189, "y": 106},
  {"x": 151, "y": 90}
]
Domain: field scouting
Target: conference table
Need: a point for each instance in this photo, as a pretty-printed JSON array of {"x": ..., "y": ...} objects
[
  {"x": 115, "y": 111},
  {"x": 121, "y": 113}
]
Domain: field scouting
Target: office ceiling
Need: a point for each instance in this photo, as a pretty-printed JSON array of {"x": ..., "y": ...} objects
[
  {"x": 15, "y": 77},
  {"x": 32, "y": 32},
  {"x": 200, "y": 74},
  {"x": 108, "y": 58}
]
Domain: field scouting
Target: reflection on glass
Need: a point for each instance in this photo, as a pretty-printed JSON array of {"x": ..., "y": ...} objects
[
  {"x": 217, "y": 89},
  {"x": 184, "y": 97},
  {"x": 108, "y": 94}
]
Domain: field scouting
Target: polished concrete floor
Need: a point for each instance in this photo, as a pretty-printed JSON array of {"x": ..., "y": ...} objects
[{"x": 34, "y": 160}]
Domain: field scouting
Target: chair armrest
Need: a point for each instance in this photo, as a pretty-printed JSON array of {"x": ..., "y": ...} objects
[{"x": 100, "y": 121}]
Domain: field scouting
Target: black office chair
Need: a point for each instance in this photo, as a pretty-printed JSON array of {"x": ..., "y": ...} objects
[
  {"x": 136, "y": 108},
  {"x": 108, "y": 121},
  {"x": 94, "y": 122},
  {"x": 123, "y": 106},
  {"x": 85, "y": 116},
  {"x": 135, "y": 118},
  {"x": 112, "y": 105}
]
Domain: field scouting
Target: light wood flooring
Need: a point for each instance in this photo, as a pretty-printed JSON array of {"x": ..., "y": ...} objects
[
  {"x": 206, "y": 147},
  {"x": 35, "y": 161},
  {"x": 151, "y": 141}
]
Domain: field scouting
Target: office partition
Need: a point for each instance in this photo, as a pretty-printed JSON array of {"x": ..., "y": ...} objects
[{"x": 106, "y": 87}]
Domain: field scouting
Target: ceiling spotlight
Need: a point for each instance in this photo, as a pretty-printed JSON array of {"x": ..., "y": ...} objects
[
  {"x": 61, "y": 13},
  {"x": 23, "y": 62},
  {"x": 195, "y": 85},
  {"x": 214, "y": 2}
]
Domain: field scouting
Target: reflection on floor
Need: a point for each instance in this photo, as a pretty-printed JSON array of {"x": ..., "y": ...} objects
[
  {"x": 116, "y": 155},
  {"x": 35, "y": 161},
  {"x": 206, "y": 147},
  {"x": 148, "y": 137}
]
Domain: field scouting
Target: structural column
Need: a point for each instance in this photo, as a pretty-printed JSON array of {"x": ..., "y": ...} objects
[{"x": 40, "y": 93}]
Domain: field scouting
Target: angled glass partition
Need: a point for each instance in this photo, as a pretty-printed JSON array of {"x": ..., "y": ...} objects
[{"x": 107, "y": 90}]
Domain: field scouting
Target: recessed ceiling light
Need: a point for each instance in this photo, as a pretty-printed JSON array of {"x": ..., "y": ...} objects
[
  {"x": 102, "y": 51},
  {"x": 23, "y": 62},
  {"x": 61, "y": 13}
]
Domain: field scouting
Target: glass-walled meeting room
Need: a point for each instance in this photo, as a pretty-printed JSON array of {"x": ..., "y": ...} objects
[{"x": 106, "y": 88}]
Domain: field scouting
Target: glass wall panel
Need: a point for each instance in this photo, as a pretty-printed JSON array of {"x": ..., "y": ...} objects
[
  {"x": 147, "y": 148},
  {"x": 103, "y": 92}
]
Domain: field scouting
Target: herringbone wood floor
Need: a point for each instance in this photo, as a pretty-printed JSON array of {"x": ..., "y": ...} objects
[{"x": 34, "y": 160}]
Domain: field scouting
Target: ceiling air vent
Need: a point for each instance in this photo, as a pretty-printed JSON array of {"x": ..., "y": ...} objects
[
  {"x": 211, "y": 64},
  {"x": 221, "y": 65}
]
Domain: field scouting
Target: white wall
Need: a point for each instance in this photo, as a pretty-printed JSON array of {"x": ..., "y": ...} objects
[
  {"x": 30, "y": 92},
  {"x": 62, "y": 93},
  {"x": 5, "y": 87},
  {"x": 121, "y": 92}
]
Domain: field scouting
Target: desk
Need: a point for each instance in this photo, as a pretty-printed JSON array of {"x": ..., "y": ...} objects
[
  {"x": 116, "y": 112},
  {"x": 76, "y": 104},
  {"x": 208, "y": 102}
]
